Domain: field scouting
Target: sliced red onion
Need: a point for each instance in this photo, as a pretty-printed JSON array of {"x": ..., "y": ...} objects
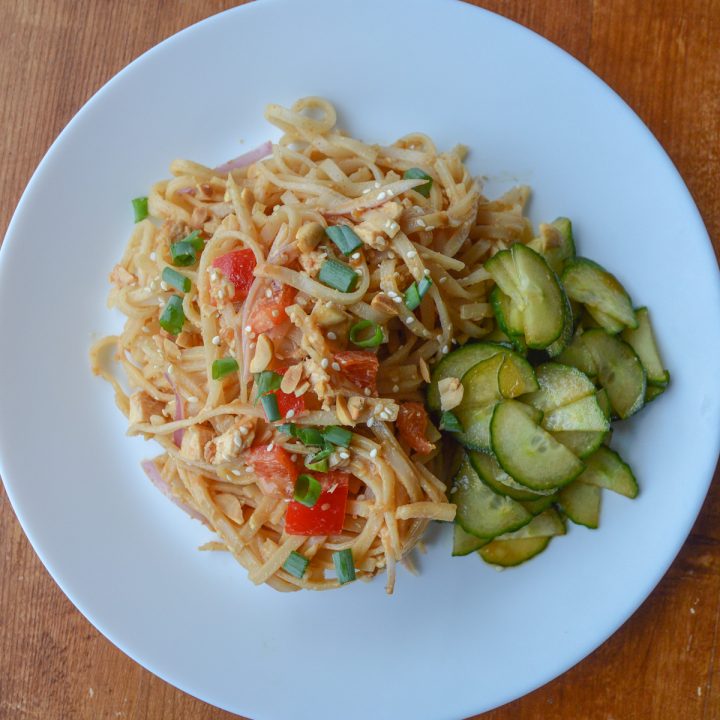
[
  {"x": 179, "y": 412},
  {"x": 152, "y": 471},
  {"x": 246, "y": 159},
  {"x": 185, "y": 191}
]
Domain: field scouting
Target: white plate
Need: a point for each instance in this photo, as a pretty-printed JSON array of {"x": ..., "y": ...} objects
[{"x": 460, "y": 638}]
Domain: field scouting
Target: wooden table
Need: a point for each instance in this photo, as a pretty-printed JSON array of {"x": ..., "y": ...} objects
[{"x": 663, "y": 57}]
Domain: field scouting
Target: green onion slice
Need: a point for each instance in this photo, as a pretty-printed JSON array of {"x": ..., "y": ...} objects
[
  {"x": 416, "y": 292},
  {"x": 450, "y": 421},
  {"x": 337, "y": 435},
  {"x": 308, "y": 435},
  {"x": 224, "y": 366},
  {"x": 344, "y": 565},
  {"x": 270, "y": 406},
  {"x": 344, "y": 237},
  {"x": 319, "y": 461},
  {"x": 307, "y": 490},
  {"x": 338, "y": 275},
  {"x": 418, "y": 174},
  {"x": 267, "y": 381},
  {"x": 172, "y": 318},
  {"x": 183, "y": 254},
  {"x": 296, "y": 564},
  {"x": 361, "y": 338},
  {"x": 176, "y": 279},
  {"x": 140, "y": 208},
  {"x": 195, "y": 240}
]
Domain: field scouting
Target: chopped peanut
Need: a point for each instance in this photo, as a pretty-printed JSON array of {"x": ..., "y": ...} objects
[
  {"x": 291, "y": 378},
  {"x": 451, "y": 393},
  {"x": 309, "y": 235},
  {"x": 263, "y": 356}
]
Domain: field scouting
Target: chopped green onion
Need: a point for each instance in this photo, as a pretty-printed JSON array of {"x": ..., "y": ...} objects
[
  {"x": 308, "y": 435},
  {"x": 337, "y": 435},
  {"x": 450, "y": 421},
  {"x": 172, "y": 318},
  {"x": 359, "y": 337},
  {"x": 183, "y": 254},
  {"x": 270, "y": 406},
  {"x": 416, "y": 292},
  {"x": 307, "y": 490},
  {"x": 319, "y": 461},
  {"x": 418, "y": 174},
  {"x": 286, "y": 428},
  {"x": 195, "y": 240},
  {"x": 344, "y": 565},
  {"x": 267, "y": 381},
  {"x": 296, "y": 564},
  {"x": 338, "y": 275},
  {"x": 140, "y": 208},
  {"x": 176, "y": 279},
  {"x": 344, "y": 237},
  {"x": 223, "y": 366}
]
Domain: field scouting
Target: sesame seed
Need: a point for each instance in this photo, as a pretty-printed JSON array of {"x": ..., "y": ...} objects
[
  {"x": 243, "y": 430},
  {"x": 293, "y": 457},
  {"x": 426, "y": 272},
  {"x": 248, "y": 329},
  {"x": 446, "y": 350},
  {"x": 324, "y": 363},
  {"x": 163, "y": 285},
  {"x": 336, "y": 367},
  {"x": 153, "y": 256},
  {"x": 290, "y": 413},
  {"x": 237, "y": 440},
  {"x": 236, "y": 473},
  {"x": 391, "y": 255},
  {"x": 409, "y": 319},
  {"x": 373, "y": 453},
  {"x": 221, "y": 293},
  {"x": 412, "y": 254},
  {"x": 359, "y": 271},
  {"x": 392, "y": 294},
  {"x": 270, "y": 447},
  {"x": 443, "y": 279},
  {"x": 250, "y": 469},
  {"x": 275, "y": 313},
  {"x": 343, "y": 455},
  {"x": 170, "y": 369},
  {"x": 366, "y": 191},
  {"x": 216, "y": 340},
  {"x": 332, "y": 336},
  {"x": 370, "y": 422},
  {"x": 421, "y": 222},
  {"x": 382, "y": 195},
  {"x": 429, "y": 228},
  {"x": 366, "y": 391},
  {"x": 325, "y": 507},
  {"x": 396, "y": 388},
  {"x": 268, "y": 293},
  {"x": 397, "y": 299},
  {"x": 377, "y": 185},
  {"x": 355, "y": 256},
  {"x": 214, "y": 276}
]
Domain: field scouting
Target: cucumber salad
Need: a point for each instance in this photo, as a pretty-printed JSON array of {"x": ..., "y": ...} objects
[{"x": 531, "y": 407}]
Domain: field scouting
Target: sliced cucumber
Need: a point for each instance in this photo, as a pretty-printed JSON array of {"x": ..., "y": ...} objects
[
  {"x": 604, "y": 402},
  {"x": 544, "y": 305},
  {"x": 517, "y": 376},
  {"x": 482, "y": 512},
  {"x": 476, "y": 427},
  {"x": 511, "y": 553},
  {"x": 508, "y": 318},
  {"x": 620, "y": 372},
  {"x": 496, "y": 335},
  {"x": 559, "y": 385},
  {"x": 543, "y": 503},
  {"x": 501, "y": 267},
  {"x": 653, "y": 391},
  {"x": 486, "y": 466},
  {"x": 554, "y": 349},
  {"x": 465, "y": 543},
  {"x": 642, "y": 341},
  {"x": 546, "y": 524},
  {"x": 481, "y": 383},
  {"x": 589, "y": 283},
  {"x": 555, "y": 243},
  {"x": 577, "y": 355},
  {"x": 581, "y": 503},
  {"x": 597, "y": 318},
  {"x": 606, "y": 469},
  {"x": 584, "y": 415},
  {"x": 528, "y": 453},
  {"x": 456, "y": 364},
  {"x": 580, "y": 443}
]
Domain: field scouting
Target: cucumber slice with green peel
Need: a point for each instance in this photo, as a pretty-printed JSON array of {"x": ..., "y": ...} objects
[
  {"x": 501, "y": 267},
  {"x": 464, "y": 543},
  {"x": 581, "y": 503},
  {"x": 516, "y": 377},
  {"x": 547, "y": 524},
  {"x": 543, "y": 308},
  {"x": 554, "y": 349},
  {"x": 653, "y": 391},
  {"x": 511, "y": 553},
  {"x": 589, "y": 283},
  {"x": 508, "y": 318},
  {"x": 642, "y": 341},
  {"x": 528, "y": 453},
  {"x": 496, "y": 335},
  {"x": 543, "y": 503},
  {"x": 580, "y": 443},
  {"x": 600, "y": 320},
  {"x": 482, "y": 512},
  {"x": 620, "y": 372},
  {"x": 584, "y": 415},
  {"x": 456, "y": 364},
  {"x": 476, "y": 425},
  {"x": 486, "y": 466},
  {"x": 577, "y": 355},
  {"x": 481, "y": 384},
  {"x": 559, "y": 385},
  {"x": 604, "y": 402},
  {"x": 606, "y": 469},
  {"x": 555, "y": 243}
]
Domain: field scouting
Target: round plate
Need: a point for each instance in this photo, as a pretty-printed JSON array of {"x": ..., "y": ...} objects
[{"x": 460, "y": 638}]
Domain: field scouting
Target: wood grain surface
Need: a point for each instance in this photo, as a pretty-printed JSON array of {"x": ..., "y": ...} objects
[{"x": 663, "y": 58}]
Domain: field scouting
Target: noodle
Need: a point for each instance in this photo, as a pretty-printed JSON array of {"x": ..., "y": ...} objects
[{"x": 284, "y": 319}]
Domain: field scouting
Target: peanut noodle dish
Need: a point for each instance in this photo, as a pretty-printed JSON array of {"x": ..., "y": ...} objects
[{"x": 304, "y": 320}]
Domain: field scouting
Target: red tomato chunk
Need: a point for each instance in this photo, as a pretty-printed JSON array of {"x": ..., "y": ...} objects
[
  {"x": 237, "y": 267},
  {"x": 327, "y": 516}
]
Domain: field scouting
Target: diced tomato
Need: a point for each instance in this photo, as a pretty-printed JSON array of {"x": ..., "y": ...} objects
[
  {"x": 268, "y": 312},
  {"x": 327, "y": 516},
  {"x": 360, "y": 367},
  {"x": 287, "y": 402},
  {"x": 276, "y": 472},
  {"x": 412, "y": 422},
  {"x": 237, "y": 267}
]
